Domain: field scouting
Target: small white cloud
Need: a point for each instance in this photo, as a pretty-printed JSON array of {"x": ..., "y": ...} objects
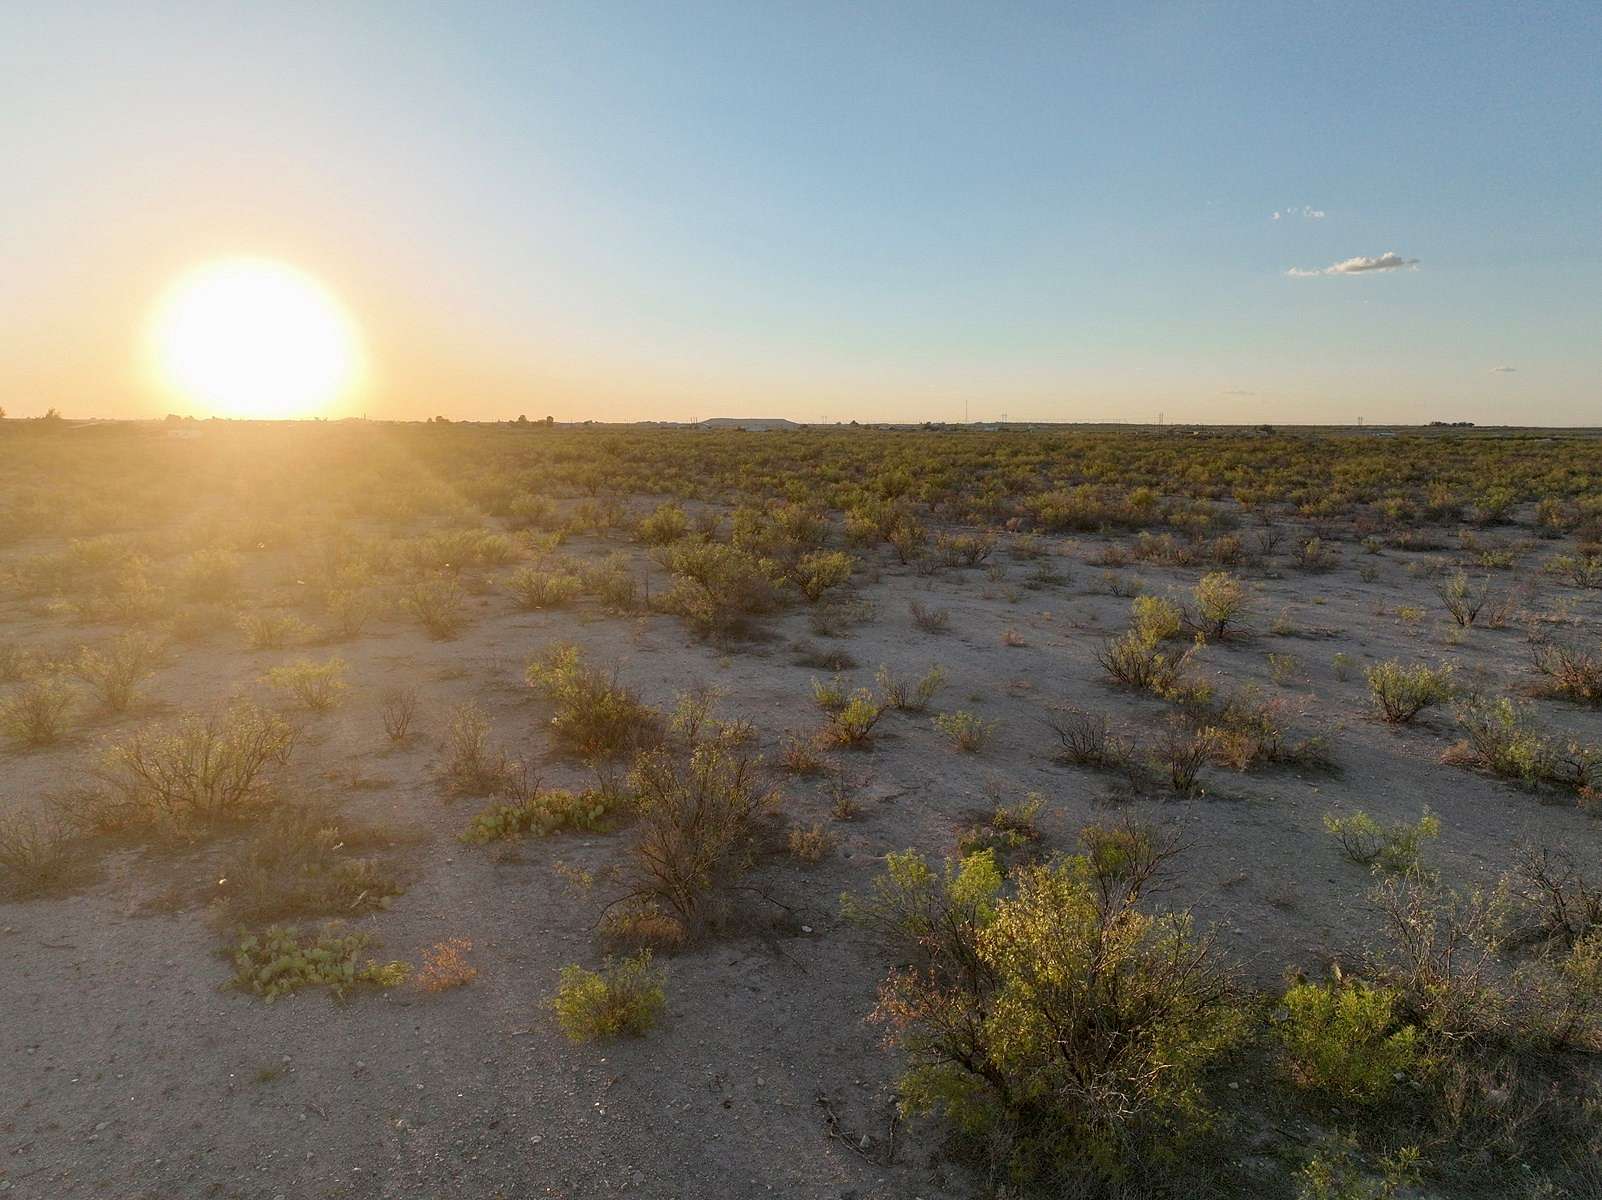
[
  {"x": 1361, "y": 265},
  {"x": 1307, "y": 212},
  {"x": 1504, "y": 370},
  {"x": 1275, "y": 215}
]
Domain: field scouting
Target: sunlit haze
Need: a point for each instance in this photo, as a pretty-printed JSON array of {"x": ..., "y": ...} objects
[
  {"x": 1242, "y": 212},
  {"x": 256, "y": 339}
]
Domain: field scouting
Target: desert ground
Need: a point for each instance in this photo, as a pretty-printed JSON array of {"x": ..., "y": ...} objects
[{"x": 329, "y": 580}]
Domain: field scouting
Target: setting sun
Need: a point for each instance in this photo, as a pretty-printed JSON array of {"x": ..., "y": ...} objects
[{"x": 254, "y": 338}]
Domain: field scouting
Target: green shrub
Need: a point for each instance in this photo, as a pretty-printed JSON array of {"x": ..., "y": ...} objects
[
  {"x": 36, "y": 713},
  {"x": 312, "y": 685},
  {"x": 1156, "y": 619},
  {"x": 271, "y": 630},
  {"x": 542, "y": 812},
  {"x": 611, "y": 581},
  {"x": 698, "y": 824},
  {"x": 437, "y": 603},
  {"x": 282, "y": 960},
  {"x": 473, "y": 767},
  {"x": 666, "y": 525},
  {"x": 1221, "y": 601},
  {"x": 1343, "y": 1040},
  {"x": 1010, "y": 828},
  {"x": 197, "y": 770},
  {"x": 1126, "y": 855},
  {"x": 830, "y": 695},
  {"x": 595, "y": 714},
  {"x": 622, "y": 999},
  {"x": 821, "y": 572},
  {"x": 852, "y": 724},
  {"x": 1335, "y": 1172},
  {"x": 1570, "y": 673},
  {"x": 349, "y": 610},
  {"x": 1394, "y": 847},
  {"x": 535, "y": 589},
  {"x": 966, "y": 731},
  {"x": 1138, "y": 662},
  {"x": 964, "y": 549},
  {"x": 1061, "y": 1023},
  {"x": 36, "y": 859},
  {"x": 16, "y": 662},
  {"x": 914, "y": 698},
  {"x": 1401, "y": 693},
  {"x": 210, "y": 575},
  {"x": 1501, "y": 739},
  {"x": 718, "y": 588},
  {"x": 116, "y": 671}
]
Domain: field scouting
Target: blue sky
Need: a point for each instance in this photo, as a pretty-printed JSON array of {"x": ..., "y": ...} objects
[{"x": 885, "y": 211}]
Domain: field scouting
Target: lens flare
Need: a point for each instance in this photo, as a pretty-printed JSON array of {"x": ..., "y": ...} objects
[{"x": 254, "y": 338}]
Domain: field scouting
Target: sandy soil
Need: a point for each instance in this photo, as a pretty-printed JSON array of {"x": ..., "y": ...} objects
[{"x": 131, "y": 1071}]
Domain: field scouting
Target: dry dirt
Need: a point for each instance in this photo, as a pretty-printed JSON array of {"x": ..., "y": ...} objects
[{"x": 130, "y": 1070}]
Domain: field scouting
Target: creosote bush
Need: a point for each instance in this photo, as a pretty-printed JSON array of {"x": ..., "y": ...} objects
[
  {"x": 534, "y": 589},
  {"x": 196, "y": 771},
  {"x": 1137, "y": 661},
  {"x": 1344, "y": 1040},
  {"x": 966, "y": 731},
  {"x": 698, "y": 818},
  {"x": 37, "y": 858},
  {"x": 904, "y": 697},
  {"x": 116, "y": 671},
  {"x": 1501, "y": 738},
  {"x": 1569, "y": 672},
  {"x": 1402, "y": 692},
  {"x": 314, "y": 686},
  {"x": 718, "y": 588},
  {"x": 813, "y": 843},
  {"x": 1156, "y": 619},
  {"x": 595, "y": 715},
  {"x": 1393, "y": 847},
  {"x": 930, "y": 620},
  {"x": 1058, "y": 1023},
  {"x": 473, "y": 766},
  {"x": 36, "y": 713},
  {"x": 396, "y": 708},
  {"x": 623, "y": 999},
  {"x": 1221, "y": 602},
  {"x": 272, "y": 630},
  {"x": 438, "y": 605},
  {"x": 852, "y": 725}
]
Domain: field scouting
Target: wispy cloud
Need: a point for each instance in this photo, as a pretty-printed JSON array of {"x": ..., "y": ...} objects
[
  {"x": 1237, "y": 392},
  {"x": 1504, "y": 370},
  {"x": 1361, "y": 265},
  {"x": 1306, "y": 212}
]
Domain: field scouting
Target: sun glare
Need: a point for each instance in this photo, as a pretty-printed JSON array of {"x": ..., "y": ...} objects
[{"x": 254, "y": 338}]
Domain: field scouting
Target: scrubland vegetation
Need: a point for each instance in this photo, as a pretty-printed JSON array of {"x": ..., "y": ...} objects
[{"x": 1098, "y": 813}]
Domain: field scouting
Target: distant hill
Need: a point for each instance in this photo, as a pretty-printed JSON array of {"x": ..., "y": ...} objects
[{"x": 748, "y": 423}]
